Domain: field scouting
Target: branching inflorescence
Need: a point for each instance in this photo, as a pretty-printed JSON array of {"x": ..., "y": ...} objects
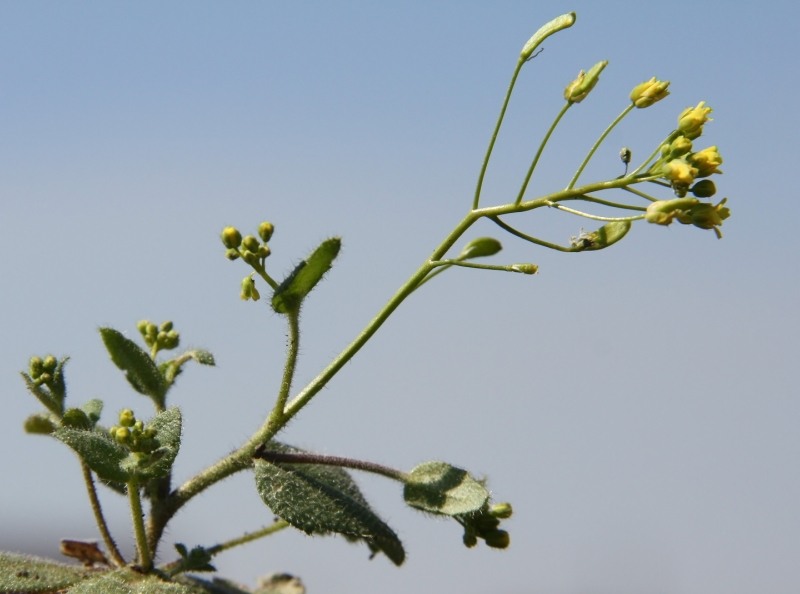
[{"x": 316, "y": 493}]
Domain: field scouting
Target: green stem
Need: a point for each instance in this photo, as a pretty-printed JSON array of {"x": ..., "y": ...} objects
[
  {"x": 339, "y": 461},
  {"x": 277, "y": 526},
  {"x": 143, "y": 550},
  {"x": 597, "y": 144},
  {"x": 500, "y": 267},
  {"x": 594, "y": 217},
  {"x": 490, "y": 148},
  {"x": 540, "y": 150},
  {"x": 289, "y": 367},
  {"x": 99, "y": 518}
]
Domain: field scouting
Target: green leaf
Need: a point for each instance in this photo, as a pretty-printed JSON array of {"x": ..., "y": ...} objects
[
  {"x": 140, "y": 370},
  {"x": 128, "y": 581},
  {"x": 440, "y": 488},
  {"x": 322, "y": 499},
  {"x": 24, "y": 574},
  {"x": 290, "y": 294},
  {"x": 41, "y": 424},
  {"x": 103, "y": 455},
  {"x": 93, "y": 408},
  {"x": 171, "y": 369}
]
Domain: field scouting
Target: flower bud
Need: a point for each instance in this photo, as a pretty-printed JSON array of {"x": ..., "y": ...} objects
[
  {"x": 264, "y": 251},
  {"x": 265, "y": 231},
  {"x": 645, "y": 94},
  {"x": 625, "y": 155},
  {"x": 501, "y": 510},
  {"x": 703, "y": 189},
  {"x": 678, "y": 147},
  {"x": 39, "y": 424},
  {"x": 579, "y": 88},
  {"x": 166, "y": 326},
  {"x": 691, "y": 120},
  {"x": 35, "y": 367},
  {"x": 708, "y": 216},
  {"x": 49, "y": 363},
  {"x": 122, "y": 435},
  {"x": 249, "y": 291},
  {"x": 706, "y": 161},
  {"x": 497, "y": 539},
  {"x": 525, "y": 268},
  {"x": 250, "y": 243},
  {"x": 127, "y": 418},
  {"x": 231, "y": 254},
  {"x": 231, "y": 238},
  {"x": 663, "y": 212}
]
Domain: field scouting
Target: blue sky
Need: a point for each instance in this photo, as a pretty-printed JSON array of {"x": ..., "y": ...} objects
[{"x": 637, "y": 405}]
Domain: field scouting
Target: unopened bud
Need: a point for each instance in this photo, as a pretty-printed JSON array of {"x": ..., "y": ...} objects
[
  {"x": 501, "y": 510},
  {"x": 579, "y": 88},
  {"x": 480, "y": 248},
  {"x": 265, "y": 231},
  {"x": 645, "y": 94},
  {"x": 231, "y": 238},
  {"x": 525, "y": 268},
  {"x": 250, "y": 243},
  {"x": 497, "y": 539},
  {"x": 706, "y": 161},
  {"x": 704, "y": 189},
  {"x": 127, "y": 418},
  {"x": 691, "y": 120}
]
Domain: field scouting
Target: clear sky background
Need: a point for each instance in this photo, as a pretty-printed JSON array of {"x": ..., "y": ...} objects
[{"x": 638, "y": 406}]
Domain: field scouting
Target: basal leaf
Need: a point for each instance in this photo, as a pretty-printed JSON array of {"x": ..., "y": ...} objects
[
  {"x": 322, "y": 499},
  {"x": 290, "y": 294},
  {"x": 140, "y": 370},
  {"x": 440, "y": 488},
  {"x": 103, "y": 455},
  {"x": 24, "y": 574}
]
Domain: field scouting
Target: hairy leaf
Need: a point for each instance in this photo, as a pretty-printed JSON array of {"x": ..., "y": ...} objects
[
  {"x": 103, "y": 455},
  {"x": 321, "y": 499},
  {"x": 159, "y": 462},
  {"x": 93, "y": 408},
  {"x": 440, "y": 488},
  {"x": 43, "y": 395},
  {"x": 24, "y": 574},
  {"x": 140, "y": 370},
  {"x": 290, "y": 294}
]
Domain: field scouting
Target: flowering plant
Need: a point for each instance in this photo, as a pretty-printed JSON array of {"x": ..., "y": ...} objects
[{"x": 317, "y": 494}]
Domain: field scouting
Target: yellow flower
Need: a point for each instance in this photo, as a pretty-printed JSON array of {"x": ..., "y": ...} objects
[
  {"x": 706, "y": 161},
  {"x": 691, "y": 120},
  {"x": 645, "y": 94},
  {"x": 679, "y": 172}
]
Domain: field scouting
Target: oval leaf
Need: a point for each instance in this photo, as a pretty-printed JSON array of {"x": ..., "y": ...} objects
[
  {"x": 440, "y": 488},
  {"x": 321, "y": 499},
  {"x": 103, "y": 455},
  {"x": 290, "y": 294},
  {"x": 140, "y": 370}
]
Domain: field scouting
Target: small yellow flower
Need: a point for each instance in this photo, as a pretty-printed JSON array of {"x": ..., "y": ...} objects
[
  {"x": 691, "y": 120},
  {"x": 679, "y": 172},
  {"x": 645, "y": 94},
  {"x": 706, "y": 161}
]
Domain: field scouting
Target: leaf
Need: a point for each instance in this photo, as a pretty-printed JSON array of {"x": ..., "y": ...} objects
[
  {"x": 128, "y": 581},
  {"x": 290, "y": 294},
  {"x": 171, "y": 369},
  {"x": 93, "y": 408},
  {"x": 24, "y": 574},
  {"x": 103, "y": 455},
  {"x": 440, "y": 488},
  {"x": 322, "y": 499},
  {"x": 140, "y": 370},
  {"x": 41, "y": 424}
]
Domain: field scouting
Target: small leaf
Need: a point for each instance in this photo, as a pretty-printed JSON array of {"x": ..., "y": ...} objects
[
  {"x": 321, "y": 499},
  {"x": 202, "y": 356},
  {"x": 140, "y": 370},
  {"x": 41, "y": 424},
  {"x": 103, "y": 455},
  {"x": 24, "y": 574},
  {"x": 93, "y": 408},
  {"x": 290, "y": 294},
  {"x": 440, "y": 488}
]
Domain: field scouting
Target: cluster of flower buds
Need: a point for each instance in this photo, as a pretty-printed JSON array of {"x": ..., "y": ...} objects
[
  {"x": 42, "y": 371},
  {"x": 162, "y": 338},
  {"x": 132, "y": 433},
  {"x": 485, "y": 524},
  {"x": 689, "y": 211},
  {"x": 253, "y": 250}
]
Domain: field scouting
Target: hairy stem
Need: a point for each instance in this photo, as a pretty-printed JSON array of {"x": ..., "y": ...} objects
[
  {"x": 142, "y": 548},
  {"x": 309, "y": 458},
  {"x": 99, "y": 518}
]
